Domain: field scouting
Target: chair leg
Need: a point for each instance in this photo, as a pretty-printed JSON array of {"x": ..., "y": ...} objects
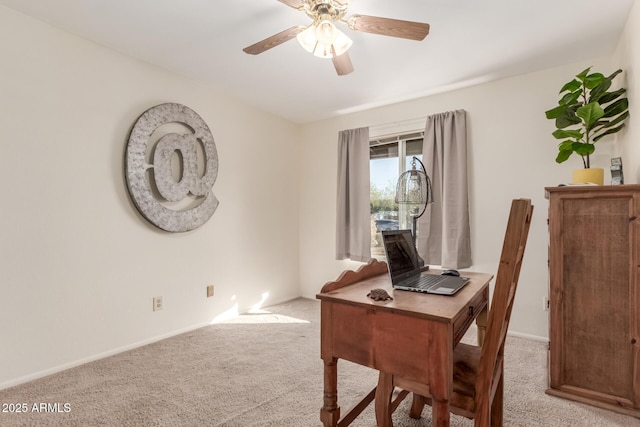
[
  {"x": 384, "y": 393},
  {"x": 482, "y": 415},
  {"x": 497, "y": 404},
  {"x": 416, "y": 406},
  {"x": 490, "y": 413}
]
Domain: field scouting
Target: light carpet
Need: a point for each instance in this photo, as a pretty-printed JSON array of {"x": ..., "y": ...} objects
[{"x": 260, "y": 369}]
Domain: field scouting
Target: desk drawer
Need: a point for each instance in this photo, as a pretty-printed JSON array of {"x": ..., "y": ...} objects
[{"x": 468, "y": 315}]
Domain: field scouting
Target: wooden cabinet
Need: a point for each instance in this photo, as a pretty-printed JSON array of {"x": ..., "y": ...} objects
[{"x": 594, "y": 292}]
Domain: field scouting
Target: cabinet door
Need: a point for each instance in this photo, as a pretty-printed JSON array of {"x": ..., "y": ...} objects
[{"x": 592, "y": 296}]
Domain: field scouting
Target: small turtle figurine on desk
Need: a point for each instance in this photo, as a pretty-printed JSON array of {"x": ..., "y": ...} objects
[{"x": 379, "y": 295}]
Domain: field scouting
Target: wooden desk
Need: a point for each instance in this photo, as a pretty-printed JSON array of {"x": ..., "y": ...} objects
[{"x": 412, "y": 336}]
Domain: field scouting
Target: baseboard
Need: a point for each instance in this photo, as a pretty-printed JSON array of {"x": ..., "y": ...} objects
[
  {"x": 113, "y": 352},
  {"x": 93, "y": 358},
  {"x": 528, "y": 337},
  {"x": 520, "y": 335}
]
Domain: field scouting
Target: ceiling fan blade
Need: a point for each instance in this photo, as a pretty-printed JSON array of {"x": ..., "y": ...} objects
[
  {"x": 273, "y": 41},
  {"x": 389, "y": 27},
  {"x": 296, "y": 4},
  {"x": 342, "y": 63}
]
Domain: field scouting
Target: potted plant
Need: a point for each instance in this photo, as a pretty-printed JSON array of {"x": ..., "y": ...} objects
[{"x": 586, "y": 113}]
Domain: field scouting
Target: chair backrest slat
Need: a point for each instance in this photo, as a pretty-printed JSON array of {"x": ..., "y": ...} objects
[{"x": 514, "y": 244}]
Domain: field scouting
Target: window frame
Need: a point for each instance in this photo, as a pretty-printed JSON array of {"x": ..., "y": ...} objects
[{"x": 401, "y": 138}]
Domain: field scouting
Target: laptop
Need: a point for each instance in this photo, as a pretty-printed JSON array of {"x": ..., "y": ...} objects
[{"x": 404, "y": 269}]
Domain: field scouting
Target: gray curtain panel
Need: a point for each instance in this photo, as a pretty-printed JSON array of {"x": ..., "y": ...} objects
[
  {"x": 353, "y": 221},
  {"x": 444, "y": 232}
]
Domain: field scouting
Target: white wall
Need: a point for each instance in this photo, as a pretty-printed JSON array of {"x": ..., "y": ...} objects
[
  {"x": 511, "y": 154},
  {"x": 627, "y": 57},
  {"x": 79, "y": 265}
]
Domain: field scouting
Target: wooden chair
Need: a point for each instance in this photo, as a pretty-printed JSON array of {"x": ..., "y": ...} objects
[{"x": 478, "y": 371}]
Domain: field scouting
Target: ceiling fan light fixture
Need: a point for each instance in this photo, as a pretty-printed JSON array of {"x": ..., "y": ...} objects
[
  {"x": 307, "y": 38},
  {"x": 326, "y": 32},
  {"x": 341, "y": 43},
  {"x": 319, "y": 39}
]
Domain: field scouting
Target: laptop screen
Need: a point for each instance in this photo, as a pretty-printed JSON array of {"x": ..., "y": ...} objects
[{"x": 401, "y": 254}]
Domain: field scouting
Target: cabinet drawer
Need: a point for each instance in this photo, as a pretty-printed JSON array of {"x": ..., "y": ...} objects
[{"x": 462, "y": 322}]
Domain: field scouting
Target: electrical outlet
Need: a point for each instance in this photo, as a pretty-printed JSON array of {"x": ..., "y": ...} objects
[
  {"x": 157, "y": 303},
  {"x": 209, "y": 291},
  {"x": 545, "y": 303}
]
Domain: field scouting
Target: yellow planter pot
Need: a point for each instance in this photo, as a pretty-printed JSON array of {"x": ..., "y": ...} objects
[{"x": 591, "y": 176}]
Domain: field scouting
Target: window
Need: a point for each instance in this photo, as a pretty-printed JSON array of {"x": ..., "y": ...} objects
[{"x": 388, "y": 158}]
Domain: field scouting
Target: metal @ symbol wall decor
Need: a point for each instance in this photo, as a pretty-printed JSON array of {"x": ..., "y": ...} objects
[{"x": 171, "y": 165}]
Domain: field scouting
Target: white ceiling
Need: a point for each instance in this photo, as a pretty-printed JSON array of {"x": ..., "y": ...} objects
[{"x": 470, "y": 42}]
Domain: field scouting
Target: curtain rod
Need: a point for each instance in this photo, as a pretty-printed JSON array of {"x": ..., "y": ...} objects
[
  {"x": 397, "y": 128},
  {"x": 403, "y": 136}
]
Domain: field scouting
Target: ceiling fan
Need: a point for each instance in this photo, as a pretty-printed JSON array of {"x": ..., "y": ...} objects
[{"x": 324, "y": 40}]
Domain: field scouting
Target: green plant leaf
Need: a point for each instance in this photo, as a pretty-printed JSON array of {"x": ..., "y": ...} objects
[
  {"x": 614, "y": 74},
  {"x": 611, "y": 96},
  {"x": 590, "y": 113},
  {"x": 608, "y": 132},
  {"x": 619, "y": 119},
  {"x": 605, "y": 124},
  {"x": 567, "y": 133},
  {"x": 572, "y": 86},
  {"x": 599, "y": 90},
  {"x": 554, "y": 113},
  {"x": 568, "y": 118},
  {"x": 593, "y": 80},
  {"x": 583, "y": 74},
  {"x": 570, "y": 98},
  {"x": 566, "y": 145},
  {"x": 583, "y": 149},
  {"x": 563, "y": 155},
  {"x": 616, "y": 108}
]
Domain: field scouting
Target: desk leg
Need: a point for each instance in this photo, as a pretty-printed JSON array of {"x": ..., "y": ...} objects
[
  {"x": 330, "y": 412},
  {"x": 384, "y": 392},
  {"x": 440, "y": 411},
  {"x": 440, "y": 359},
  {"x": 481, "y": 323}
]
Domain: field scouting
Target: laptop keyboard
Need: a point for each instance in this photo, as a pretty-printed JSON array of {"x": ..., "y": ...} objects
[{"x": 425, "y": 281}]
